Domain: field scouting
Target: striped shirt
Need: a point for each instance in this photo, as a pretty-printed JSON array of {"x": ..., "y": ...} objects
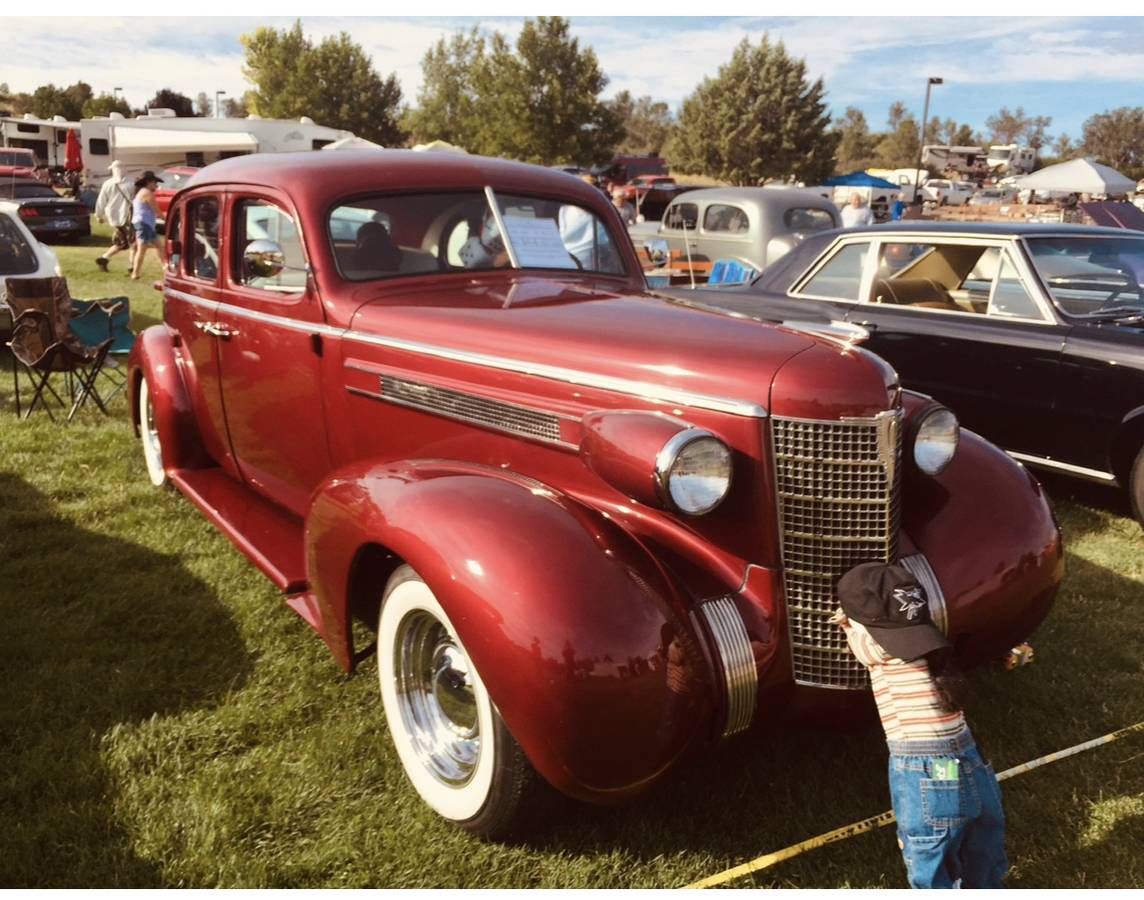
[{"x": 909, "y": 702}]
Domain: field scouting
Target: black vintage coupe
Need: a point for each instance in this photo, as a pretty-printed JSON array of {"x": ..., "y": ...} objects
[{"x": 1032, "y": 334}]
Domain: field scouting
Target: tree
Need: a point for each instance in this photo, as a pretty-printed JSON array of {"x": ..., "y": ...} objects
[
  {"x": 234, "y": 108},
  {"x": 334, "y": 80},
  {"x": 540, "y": 102},
  {"x": 1011, "y": 127},
  {"x": 183, "y": 106},
  {"x": 104, "y": 105},
  {"x": 898, "y": 147},
  {"x": 48, "y": 100},
  {"x": 647, "y": 123},
  {"x": 203, "y": 105},
  {"x": 760, "y": 118},
  {"x": 1116, "y": 138},
  {"x": 1065, "y": 148},
  {"x": 447, "y": 103},
  {"x": 855, "y": 143}
]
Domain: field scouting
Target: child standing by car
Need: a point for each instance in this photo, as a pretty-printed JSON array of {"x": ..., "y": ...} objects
[{"x": 951, "y": 827}]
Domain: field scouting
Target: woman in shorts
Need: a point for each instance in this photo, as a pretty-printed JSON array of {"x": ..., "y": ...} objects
[{"x": 144, "y": 209}]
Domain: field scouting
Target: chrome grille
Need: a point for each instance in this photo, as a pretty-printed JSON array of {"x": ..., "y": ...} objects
[
  {"x": 838, "y": 490},
  {"x": 470, "y": 408}
]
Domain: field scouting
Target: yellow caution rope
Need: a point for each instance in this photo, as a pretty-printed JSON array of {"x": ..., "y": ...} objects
[{"x": 848, "y": 831}]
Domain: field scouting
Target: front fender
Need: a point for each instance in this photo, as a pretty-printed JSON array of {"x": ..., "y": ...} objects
[
  {"x": 153, "y": 357},
  {"x": 992, "y": 540},
  {"x": 575, "y": 630}
]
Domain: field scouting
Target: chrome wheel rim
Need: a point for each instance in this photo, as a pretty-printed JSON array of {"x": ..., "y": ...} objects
[{"x": 436, "y": 697}]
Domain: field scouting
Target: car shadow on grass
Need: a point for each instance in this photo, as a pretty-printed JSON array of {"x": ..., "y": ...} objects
[{"x": 97, "y": 633}]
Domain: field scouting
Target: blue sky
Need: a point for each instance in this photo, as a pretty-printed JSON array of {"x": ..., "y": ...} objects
[{"x": 1067, "y": 68}]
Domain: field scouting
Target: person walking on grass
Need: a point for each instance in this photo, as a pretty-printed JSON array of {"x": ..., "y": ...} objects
[
  {"x": 951, "y": 827},
  {"x": 144, "y": 210},
  {"x": 113, "y": 206}
]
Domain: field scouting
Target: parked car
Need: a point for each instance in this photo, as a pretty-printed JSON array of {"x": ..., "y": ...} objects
[
  {"x": 1032, "y": 334},
  {"x": 993, "y": 196},
  {"x": 174, "y": 178},
  {"x": 943, "y": 192},
  {"x": 623, "y": 168},
  {"x": 17, "y": 162},
  {"x": 46, "y": 213},
  {"x": 650, "y": 194},
  {"x": 21, "y": 256},
  {"x": 754, "y": 226},
  {"x": 594, "y": 530}
]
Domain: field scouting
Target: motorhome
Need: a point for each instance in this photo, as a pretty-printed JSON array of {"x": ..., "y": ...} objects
[
  {"x": 946, "y": 159},
  {"x": 47, "y": 138},
  {"x": 160, "y": 140},
  {"x": 1011, "y": 159}
]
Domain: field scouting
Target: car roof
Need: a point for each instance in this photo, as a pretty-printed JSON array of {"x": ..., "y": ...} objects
[
  {"x": 751, "y": 195},
  {"x": 988, "y": 229}
]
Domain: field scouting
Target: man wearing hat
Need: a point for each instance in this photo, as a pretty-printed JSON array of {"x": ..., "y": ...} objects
[
  {"x": 951, "y": 827},
  {"x": 113, "y": 206},
  {"x": 144, "y": 210}
]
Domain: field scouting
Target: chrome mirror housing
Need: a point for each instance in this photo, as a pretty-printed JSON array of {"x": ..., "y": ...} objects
[
  {"x": 264, "y": 259},
  {"x": 658, "y": 251}
]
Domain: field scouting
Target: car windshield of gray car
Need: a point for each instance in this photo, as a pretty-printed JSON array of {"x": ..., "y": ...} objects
[
  {"x": 1093, "y": 277},
  {"x": 420, "y": 234}
]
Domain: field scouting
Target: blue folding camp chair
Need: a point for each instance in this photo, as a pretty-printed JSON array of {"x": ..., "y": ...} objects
[
  {"x": 730, "y": 271},
  {"x": 93, "y": 322}
]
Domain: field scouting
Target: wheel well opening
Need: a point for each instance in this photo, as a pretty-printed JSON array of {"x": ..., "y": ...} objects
[
  {"x": 1124, "y": 449},
  {"x": 372, "y": 566}
]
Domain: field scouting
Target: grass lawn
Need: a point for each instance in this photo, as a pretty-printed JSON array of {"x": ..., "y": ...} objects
[{"x": 166, "y": 721}]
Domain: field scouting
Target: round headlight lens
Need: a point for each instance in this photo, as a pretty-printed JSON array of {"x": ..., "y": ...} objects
[
  {"x": 936, "y": 441},
  {"x": 694, "y": 470}
]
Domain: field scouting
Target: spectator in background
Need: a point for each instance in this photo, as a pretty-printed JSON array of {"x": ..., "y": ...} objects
[
  {"x": 144, "y": 211},
  {"x": 626, "y": 210},
  {"x": 856, "y": 212},
  {"x": 898, "y": 207},
  {"x": 113, "y": 206}
]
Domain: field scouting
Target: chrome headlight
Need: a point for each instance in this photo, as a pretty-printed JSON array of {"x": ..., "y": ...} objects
[
  {"x": 693, "y": 472},
  {"x": 936, "y": 440}
]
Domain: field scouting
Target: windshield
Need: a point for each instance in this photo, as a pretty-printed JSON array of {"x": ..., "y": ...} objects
[
  {"x": 410, "y": 234},
  {"x": 16, "y": 158},
  {"x": 1091, "y": 276}
]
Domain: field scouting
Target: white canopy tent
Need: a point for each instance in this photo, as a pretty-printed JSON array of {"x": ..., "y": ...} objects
[
  {"x": 1078, "y": 176},
  {"x": 353, "y": 143}
]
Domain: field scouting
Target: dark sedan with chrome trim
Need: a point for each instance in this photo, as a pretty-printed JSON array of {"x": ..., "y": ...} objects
[
  {"x": 1033, "y": 334},
  {"x": 45, "y": 213}
]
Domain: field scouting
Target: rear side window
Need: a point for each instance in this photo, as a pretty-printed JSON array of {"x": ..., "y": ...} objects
[
  {"x": 202, "y": 249},
  {"x": 841, "y": 277},
  {"x": 682, "y": 215},
  {"x": 806, "y": 219},
  {"x": 16, "y": 254},
  {"x": 719, "y": 217}
]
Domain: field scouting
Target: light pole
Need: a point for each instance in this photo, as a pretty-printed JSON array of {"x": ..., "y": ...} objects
[
  {"x": 930, "y": 82},
  {"x": 217, "y": 109},
  {"x": 115, "y": 96}
]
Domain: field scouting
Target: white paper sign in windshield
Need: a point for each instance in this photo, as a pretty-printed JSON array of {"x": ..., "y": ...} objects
[{"x": 537, "y": 243}]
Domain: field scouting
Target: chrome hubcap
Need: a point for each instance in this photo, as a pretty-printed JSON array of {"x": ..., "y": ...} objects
[{"x": 437, "y": 700}]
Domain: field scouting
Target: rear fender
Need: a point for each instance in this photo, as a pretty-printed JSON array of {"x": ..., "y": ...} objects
[
  {"x": 574, "y": 628},
  {"x": 153, "y": 356}
]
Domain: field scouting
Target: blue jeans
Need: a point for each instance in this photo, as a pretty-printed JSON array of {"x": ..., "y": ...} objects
[{"x": 952, "y": 832}]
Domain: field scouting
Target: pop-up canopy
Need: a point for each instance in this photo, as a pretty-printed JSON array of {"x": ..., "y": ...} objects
[
  {"x": 860, "y": 179},
  {"x": 1078, "y": 176}
]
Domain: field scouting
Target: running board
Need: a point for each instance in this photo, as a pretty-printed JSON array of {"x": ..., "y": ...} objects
[{"x": 270, "y": 537}]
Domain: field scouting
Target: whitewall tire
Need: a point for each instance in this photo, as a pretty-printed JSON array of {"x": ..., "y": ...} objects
[
  {"x": 149, "y": 432},
  {"x": 452, "y": 743}
]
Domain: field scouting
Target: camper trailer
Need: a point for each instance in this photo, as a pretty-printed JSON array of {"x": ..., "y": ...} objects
[
  {"x": 1011, "y": 159},
  {"x": 160, "y": 140},
  {"x": 946, "y": 159},
  {"x": 47, "y": 138}
]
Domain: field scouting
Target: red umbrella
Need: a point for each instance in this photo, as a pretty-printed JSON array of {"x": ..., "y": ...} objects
[{"x": 74, "y": 161}]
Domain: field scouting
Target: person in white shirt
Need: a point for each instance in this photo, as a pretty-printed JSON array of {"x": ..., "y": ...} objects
[
  {"x": 113, "y": 206},
  {"x": 856, "y": 212}
]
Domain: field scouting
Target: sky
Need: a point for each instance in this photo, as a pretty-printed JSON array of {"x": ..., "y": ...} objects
[{"x": 1066, "y": 68}]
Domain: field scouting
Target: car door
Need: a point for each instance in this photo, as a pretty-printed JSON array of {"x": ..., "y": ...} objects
[
  {"x": 270, "y": 338},
  {"x": 190, "y": 305},
  {"x": 959, "y": 321}
]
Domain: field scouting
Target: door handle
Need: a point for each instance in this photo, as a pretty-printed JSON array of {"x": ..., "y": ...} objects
[{"x": 215, "y": 329}]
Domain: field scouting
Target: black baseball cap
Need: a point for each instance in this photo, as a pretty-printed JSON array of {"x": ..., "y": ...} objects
[{"x": 893, "y": 607}]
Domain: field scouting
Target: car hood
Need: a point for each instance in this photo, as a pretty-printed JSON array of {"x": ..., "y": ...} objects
[{"x": 585, "y": 327}]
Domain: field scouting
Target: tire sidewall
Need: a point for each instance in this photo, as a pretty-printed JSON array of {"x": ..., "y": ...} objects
[
  {"x": 152, "y": 446},
  {"x": 1136, "y": 487},
  {"x": 406, "y": 593}
]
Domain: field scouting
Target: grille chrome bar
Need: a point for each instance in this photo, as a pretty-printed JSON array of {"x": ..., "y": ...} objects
[
  {"x": 740, "y": 676},
  {"x": 838, "y": 487}
]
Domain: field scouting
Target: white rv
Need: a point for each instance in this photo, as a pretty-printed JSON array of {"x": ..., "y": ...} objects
[
  {"x": 160, "y": 140},
  {"x": 47, "y": 138},
  {"x": 943, "y": 158},
  {"x": 1011, "y": 159}
]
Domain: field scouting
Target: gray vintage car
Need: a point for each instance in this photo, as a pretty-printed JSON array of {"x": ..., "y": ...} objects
[{"x": 752, "y": 226}]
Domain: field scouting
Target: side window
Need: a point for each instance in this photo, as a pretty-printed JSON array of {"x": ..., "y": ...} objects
[
  {"x": 1010, "y": 297},
  {"x": 726, "y": 219},
  {"x": 173, "y": 234},
  {"x": 841, "y": 277},
  {"x": 682, "y": 215},
  {"x": 256, "y": 220},
  {"x": 202, "y": 242}
]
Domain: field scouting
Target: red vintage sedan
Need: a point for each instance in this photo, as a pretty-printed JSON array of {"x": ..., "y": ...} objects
[{"x": 591, "y": 529}]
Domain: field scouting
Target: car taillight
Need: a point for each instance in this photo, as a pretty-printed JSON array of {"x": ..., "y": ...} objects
[{"x": 29, "y": 212}]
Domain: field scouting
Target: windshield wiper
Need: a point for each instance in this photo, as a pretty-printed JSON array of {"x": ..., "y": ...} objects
[{"x": 1117, "y": 312}]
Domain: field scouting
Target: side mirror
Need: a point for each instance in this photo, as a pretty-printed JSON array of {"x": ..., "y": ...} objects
[
  {"x": 658, "y": 251},
  {"x": 264, "y": 259}
]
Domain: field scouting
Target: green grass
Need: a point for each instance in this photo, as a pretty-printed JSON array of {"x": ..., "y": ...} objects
[{"x": 166, "y": 721}]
